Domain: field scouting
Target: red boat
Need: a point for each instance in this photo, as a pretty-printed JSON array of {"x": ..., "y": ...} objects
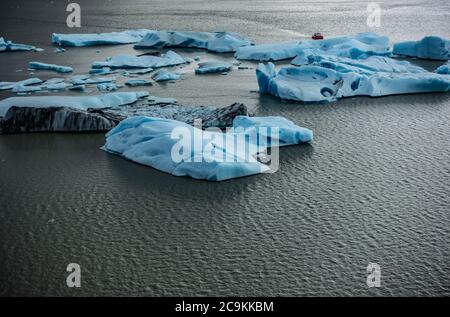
[{"x": 317, "y": 36}]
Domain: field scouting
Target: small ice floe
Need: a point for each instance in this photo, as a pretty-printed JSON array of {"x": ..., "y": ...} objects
[
  {"x": 115, "y": 99},
  {"x": 138, "y": 82},
  {"x": 213, "y": 67},
  {"x": 80, "y": 88},
  {"x": 59, "y": 50},
  {"x": 220, "y": 42},
  {"x": 86, "y": 80},
  {"x": 4, "y": 85},
  {"x": 214, "y": 156},
  {"x": 131, "y": 61},
  {"x": 102, "y": 71},
  {"x": 125, "y": 37},
  {"x": 164, "y": 75},
  {"x": 142, "y": 71},
  {"x": 25, "y": 89},
  {"x": 331, "y": 78},
  {"x": 444, "y": 69},
  {"x": 430, "y": 47},
  {"x": 361, "y": 45},
  {"x": 10, "y": 46},
  {"x": 105, "y": 87},
  {"x": 161, "y": 100},
  {"x": 52, "y": 67}
]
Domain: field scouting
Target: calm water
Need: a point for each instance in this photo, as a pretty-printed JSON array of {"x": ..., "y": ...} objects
[{"x": 373, "y": 187}]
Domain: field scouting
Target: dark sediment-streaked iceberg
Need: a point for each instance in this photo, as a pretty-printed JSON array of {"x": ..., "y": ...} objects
[
  {"x": 220, "y": 42},
  {"x": 361, "y": 45},
  {"x": 10, "y": 46},
  {"x": 328, "y": 79},
  {"x": 125, "y": 37},
  {"x": 184, "y": 150},
  {"x": 430, "y": 47},
  {"x": 146, "y": 61}
]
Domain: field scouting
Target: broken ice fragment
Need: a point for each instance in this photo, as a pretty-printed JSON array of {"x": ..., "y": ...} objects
[
  {"x": 53, "y": 67},
  {"x": 130, "y": 61},
  {"x": 105, "y": 87},
  {"x": 10, "y": 85},
  {"x": 212, "y": 67},
  {"x": 125, "y": 37},
  {"x": 138, "y": 82},
  {"x": 430, "y": 47},
  {"x": 10, "y": 46},
  {"x": 164, "y": 75},
  {"x": 161, "y": 100}
]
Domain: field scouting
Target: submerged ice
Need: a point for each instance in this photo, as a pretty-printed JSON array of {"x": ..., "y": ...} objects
[{"x": 208, "y": 155}]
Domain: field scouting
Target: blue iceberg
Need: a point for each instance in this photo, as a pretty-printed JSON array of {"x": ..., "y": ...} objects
[
  {"x": 146, "y": 61},
  {"x": 10, "y": 46},
  {"x": 430, "y": 47},
  {"x": 208, "y": 155},
  {"x": 125, "y": 37},
  {"x": 86, "y": 102},
  {"x": 213, "y": 67},
  {"x": 331, "y": 80},
  {"x": 220, "y": 42},
  {"x": 361, "y": 45},
  {"x": 444, "y": 69},
  {"x": 53, "y": 67},
  {"x": 164, "y": 75}
]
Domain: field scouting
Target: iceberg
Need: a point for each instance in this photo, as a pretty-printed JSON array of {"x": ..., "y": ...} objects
[
  {"x": 105, "y": 87},
  {"x": 86, "y": 102},
  {"x": 219, "y": 42},
  {"x": 361, "y": 46},
  {"x": 212, "y": 67},
  {"x": 147, "y": 61},
  {"x": 329, "y": 82},
  {"x": 53, "y": 67},
  {"x": 430, "y": 47},
  {"x": 161, "y": 100},
  {"x": 113, "y": 38},
  {"x": 10, "y": 46},
  {"x": 164, "y": 75},
  {"x": 214, "y": 156},
  {"x": 138, "y": 82},
  {"x": 4, "y": 85},
  {"x": 444, "y": 69}
]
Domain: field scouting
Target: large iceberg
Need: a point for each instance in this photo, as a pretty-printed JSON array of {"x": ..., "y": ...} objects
[
  {"x": 53, "y": 67},
  {"x": 10, "y": 46},
  {"x": 361, "y": 45},
  {"x": 208, "y": 155},
  {"x": 430, "y": 47},
  {"x": 333, "y": 79},
  {"x": 125, "y": 37},
  {"x": 220, "y": 42},
  {"x": 147, "y": 61},
  {"x": 83, "y": 102}
]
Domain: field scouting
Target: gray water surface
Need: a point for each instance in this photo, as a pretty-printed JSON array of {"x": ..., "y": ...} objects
[{"x": 373, "y": 186}]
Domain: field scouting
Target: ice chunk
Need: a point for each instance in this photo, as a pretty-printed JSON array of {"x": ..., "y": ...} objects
[
  {"x": 318, "y": 83},
  {"x": 220, "y": 42},
  {"x": 102, "y": 71},
  {"x": 10, "y": 85},
  {"x": 138, "y": 82},
  {"x": 430, "y": 47},
  {"x": 142, "y": 71},
  {"x": 147, "y": 61},
  {"x": 213, "y": 67},
  {"x": 161, "y": 100},
  {"x": 60, "y": 50},
  {"x": 53, "y": 67},
  {"x": 444, "y": 69},
  {"x": 25, "y": 89},
  {"x": 85, "y": 80},
  {"x": 214, "y": 156},
  {"x": 125, "y": 37},
  {"x": 361, "y": 45},
  {"x": 105, "y": 87},
  {"x": 80, "y": 88},
  {"x": 10, "y": 46},
  {"x": 85, "y": 102},
  {"x": 164, "y": 75}
]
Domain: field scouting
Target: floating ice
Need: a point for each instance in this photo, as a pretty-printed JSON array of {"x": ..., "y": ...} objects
[
  {"x": 361, "y": 45},
  {"x": 430, "y": 47},
  {"x": 53, "y": 67},
  {"x": 102, "y": 71},
  {"x": 213, "y": 67},
  {"x": 331, "y": 81},
  {"x": 60, "y": 50},
  {"x": 10, "y": 46},
  {"x": 25, "y": 89},
  {"x": 85, "y": 80},
  {"x": 138, "y": 82},
  {"x": 80, "y": 88},
  {"x": 125, "y": 37},
  {"x": 105, "y": 87},
  {"x": 164, "y": 75},
  {"x": 10, "y": 85},
  {"x": 147, "y": 61},
  {"x": 213, "y": 156},
  {"x": 444, "y": 69},
  {"x": 142, "y": 71},
  {"x": 161, "y": 100},
  {"x": 85, "y": 102},
  {"x": 220, "y": 42}
]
